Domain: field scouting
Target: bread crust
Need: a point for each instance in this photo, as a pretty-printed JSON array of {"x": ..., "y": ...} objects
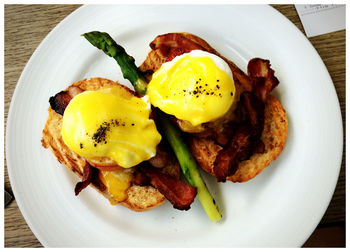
[
  {"x": 139, "y": 198},
  {"x": 274, "y": 136},
  {"x": 275, "y": 125}
]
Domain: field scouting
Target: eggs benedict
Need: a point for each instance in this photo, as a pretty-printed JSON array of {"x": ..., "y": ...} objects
[
  {"x": 103, "y": 133},
  {"x": 233, "y": 138},
  {"x": 110, "y": 122},
  {"x": 197, "y": 87}
]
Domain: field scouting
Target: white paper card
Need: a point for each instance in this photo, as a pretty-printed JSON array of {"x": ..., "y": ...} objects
[{"x": 319, "y": 19}]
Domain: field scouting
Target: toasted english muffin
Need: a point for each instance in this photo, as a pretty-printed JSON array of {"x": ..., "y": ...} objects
[
  {"x": 273, "y": 136},
  {"x": 205, "y": 150},
  {"x": 139, "y": 198}
]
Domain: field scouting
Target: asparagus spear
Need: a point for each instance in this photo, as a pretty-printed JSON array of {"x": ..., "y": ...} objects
[
  {"x": 188, "y": 165},
  {"x": 103, "y": 41}
]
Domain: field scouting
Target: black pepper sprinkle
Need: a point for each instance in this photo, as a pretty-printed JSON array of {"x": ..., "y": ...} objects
[
  {"x": 197, "y": 96},
  {"x": 206, "y": 84},
  {"x": 218, "y": 86},
  {"x": 200, "y": 79},
  {"x": 231, "y": 94},
  {"x": 81, "y": 145},
  {"x": 212, "y": 93},
  {"x": 195, "y": 92},
  {"x": 100, "y": 135},
  {"x": 217, "y": 80},
  {"x": 207, "y": 93}
]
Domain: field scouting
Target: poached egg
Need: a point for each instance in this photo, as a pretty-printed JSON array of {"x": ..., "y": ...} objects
[
  {"x": 197, "y": 87},
  {"x": 110, "y": 122}
]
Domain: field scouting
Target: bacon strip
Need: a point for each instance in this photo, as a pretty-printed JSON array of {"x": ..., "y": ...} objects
[
  {"x": 174, "y": 44},
  {"x": 246, "y": 140},
  {"x": 239, "y": 149},
  {"x": 86, "y": 180},
  {"x": 180, "y": 194},
  {"x": 60, "y": 101},
  {"x": 263, "y": 78},
  {"x": 254, "y": 107}
]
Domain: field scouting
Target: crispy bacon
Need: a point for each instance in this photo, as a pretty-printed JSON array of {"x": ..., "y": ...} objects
[
  {"x": 246, "y": 139},
  {"x": 86, "y": 180},
  {"x": 239, "y": 149},
  {"x": 263, "y": 78},
  {"x": 254, "y": 108},
  {"x": 60, "y": 101},
  {"x": 180, "y": 194},
  {"x": 174, "y": 44}
]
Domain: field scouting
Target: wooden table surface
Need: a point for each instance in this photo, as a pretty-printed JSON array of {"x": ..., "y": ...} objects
[{"x": 27, "y": 25}]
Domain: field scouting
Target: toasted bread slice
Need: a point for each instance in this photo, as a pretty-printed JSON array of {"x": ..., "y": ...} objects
[
  {"x": 205, "y": 150},
  {"x": 273, "y": 136},
  {"x": 139, "y": 198}
]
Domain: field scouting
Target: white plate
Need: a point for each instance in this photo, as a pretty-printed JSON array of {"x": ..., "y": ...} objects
[{"x": 280, "y": 207}]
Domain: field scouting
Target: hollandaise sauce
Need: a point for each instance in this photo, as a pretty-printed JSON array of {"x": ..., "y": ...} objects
[
  {"x": 110, "y": 122},
  {"x": 197, "y": 87}
]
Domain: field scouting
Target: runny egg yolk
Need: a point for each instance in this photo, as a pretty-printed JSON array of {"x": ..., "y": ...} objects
[
  {"x": 117, "y": 183},
  {"x": 110, "y": 122},
  {"x": 197, "y": 87}
]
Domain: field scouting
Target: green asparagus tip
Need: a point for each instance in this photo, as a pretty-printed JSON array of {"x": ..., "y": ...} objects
[
  {"x": 101, "y": 40},
  {"x": 105, "y": 42}
]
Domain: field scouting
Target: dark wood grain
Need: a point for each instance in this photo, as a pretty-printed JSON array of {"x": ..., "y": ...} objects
[{"x": 27, "y": 25}]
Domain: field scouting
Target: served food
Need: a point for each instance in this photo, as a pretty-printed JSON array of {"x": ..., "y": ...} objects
[
  {"x": 82, "y": 138},
  {"x": 248, "y": 136},
  {"x": 109, "y": 136},
  {"x": 196, "y": 87}
]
